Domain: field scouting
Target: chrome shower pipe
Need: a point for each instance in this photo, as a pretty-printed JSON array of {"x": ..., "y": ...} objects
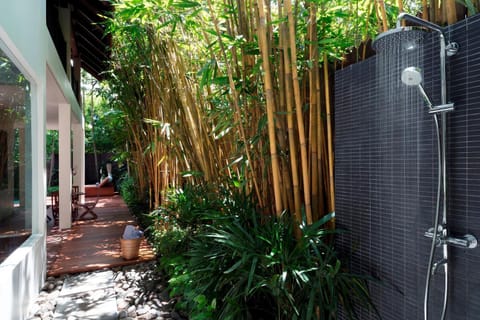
[{"x": 442, "y": 165}]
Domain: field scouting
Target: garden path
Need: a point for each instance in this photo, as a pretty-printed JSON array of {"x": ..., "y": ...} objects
[{"x": 93, "y": 244}]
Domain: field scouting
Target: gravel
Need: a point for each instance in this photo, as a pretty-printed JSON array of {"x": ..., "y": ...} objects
[{"x": 141, "y": 293}]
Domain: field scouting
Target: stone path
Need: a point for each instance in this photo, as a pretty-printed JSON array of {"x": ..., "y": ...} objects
[
  {"x": 87, "y": 296},
  {"x": 135, "y": 292}
]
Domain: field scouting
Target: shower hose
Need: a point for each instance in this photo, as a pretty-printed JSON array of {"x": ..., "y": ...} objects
[{"x": 436, "y": 230}]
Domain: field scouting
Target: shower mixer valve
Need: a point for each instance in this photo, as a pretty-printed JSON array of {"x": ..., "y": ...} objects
[{"x": 466, "y": 241}]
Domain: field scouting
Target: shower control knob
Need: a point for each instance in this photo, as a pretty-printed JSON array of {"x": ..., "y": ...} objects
[{"x": 466, "y": 241}]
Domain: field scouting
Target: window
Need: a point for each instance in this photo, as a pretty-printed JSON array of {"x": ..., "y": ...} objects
[{"x": 15, "y": 157}]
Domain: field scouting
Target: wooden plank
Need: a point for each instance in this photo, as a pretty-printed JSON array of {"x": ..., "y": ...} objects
[{"x": 95, "y": 244}]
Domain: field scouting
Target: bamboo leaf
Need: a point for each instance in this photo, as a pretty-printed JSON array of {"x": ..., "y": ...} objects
[
  {"x": 187, "y": 174},
  {"x": 184, "y": 4}
]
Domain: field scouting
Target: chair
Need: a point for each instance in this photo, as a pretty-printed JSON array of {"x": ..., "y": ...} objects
[
  {"x": 75, "y": 199},
  {"x": 54, "y": 206},
  {"x": 88, "y": 206},
  {"x": 54, "y": 199}
]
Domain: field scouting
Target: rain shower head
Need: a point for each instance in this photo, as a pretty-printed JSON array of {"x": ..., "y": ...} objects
[
  {"x": 412, "y": 76},
  {"x": 406, "y": 38}
]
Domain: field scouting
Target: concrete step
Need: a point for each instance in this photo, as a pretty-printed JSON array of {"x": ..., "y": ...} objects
[{"x": 88, "y": 296}]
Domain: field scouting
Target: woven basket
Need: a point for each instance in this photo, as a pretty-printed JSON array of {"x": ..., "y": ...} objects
[{"x": 130, "y": 248}]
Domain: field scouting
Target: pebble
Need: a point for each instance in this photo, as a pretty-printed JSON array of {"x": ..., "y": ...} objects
[
  {"x": 140, "y": 289},
  {"x": 122, "y": 314},
  {"x": 141, "y": 311},
  {"x": 132, "y": 311}
]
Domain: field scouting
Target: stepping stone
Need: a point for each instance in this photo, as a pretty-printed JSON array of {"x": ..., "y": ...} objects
[
  {"x": 87, "y": 296},
  {"x": 87, "y": 282}
]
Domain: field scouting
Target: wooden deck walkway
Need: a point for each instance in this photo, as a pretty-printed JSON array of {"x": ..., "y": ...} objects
[{"x": 93, "y": 244}]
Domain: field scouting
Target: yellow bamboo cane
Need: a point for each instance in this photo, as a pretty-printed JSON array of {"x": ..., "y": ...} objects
[
  {"x": 292, "y": 142},
  {"x": 282, "y": 126},
  {"x": 298, "y": 108},
  {"x": 451, "y": 10},
  {"x": 400, "y": 5},
  {"x": 262, "y": 36},
  {"x": 329, "y": 135},
  {"x": 383, "y": 14},
  {"x": 313, "y": 76},
  {"x": 425, "y": 14},
  {"x": 234, "y": 101}
]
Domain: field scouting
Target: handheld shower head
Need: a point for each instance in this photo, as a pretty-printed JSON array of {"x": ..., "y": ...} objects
[{"x": 412, "y": 76}]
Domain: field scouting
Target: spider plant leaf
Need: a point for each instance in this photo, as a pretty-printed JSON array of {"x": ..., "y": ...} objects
[{"x": 251, "y": 275}]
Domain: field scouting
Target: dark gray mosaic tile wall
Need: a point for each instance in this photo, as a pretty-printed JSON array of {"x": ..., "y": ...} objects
[{"x": 386, "y": 171}]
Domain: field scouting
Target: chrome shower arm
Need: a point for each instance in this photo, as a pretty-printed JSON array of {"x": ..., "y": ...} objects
[
  {"x": 411, "y": 18},
  {"x": 408, "y": 17}
]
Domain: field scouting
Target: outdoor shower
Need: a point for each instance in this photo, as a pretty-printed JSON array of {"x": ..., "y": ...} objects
[{"x": 407, "y": 39}]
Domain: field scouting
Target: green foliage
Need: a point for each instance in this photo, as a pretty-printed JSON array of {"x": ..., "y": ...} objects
[
  {"x": 228, "y": 261},
  {"x": 177, "y": 222},
  {"x": 469, "y": 5},
  {"x": 245, "y": 264},
  {"x": 52, "y": 189},
  {"x": 172, "y": 229},
  {"x": 128, "y": 191},
  {"x": 196, "y": 305},
  {"x": 51, "y": 143},
  {"x": 9, "y": 73},
  {"x": 194, "y": 204},
  {"x": 109, "y": 130},
  {"x": 171, "y": 242},
  {"x": 104, "y": 123}
]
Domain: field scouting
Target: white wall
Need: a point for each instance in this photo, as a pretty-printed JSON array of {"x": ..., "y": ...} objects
[{"x": 24, "y": 35}]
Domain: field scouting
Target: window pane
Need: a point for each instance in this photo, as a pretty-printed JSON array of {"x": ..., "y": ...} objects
[{"x": 15, "y": 158}]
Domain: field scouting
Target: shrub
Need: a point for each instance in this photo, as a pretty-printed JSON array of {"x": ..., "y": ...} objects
[
  {"x": 172, "y": 227},
  {"x": 236, "y": 263},
  {"x": 254, "y": 268},
  {"x": 137, "y": 204}
]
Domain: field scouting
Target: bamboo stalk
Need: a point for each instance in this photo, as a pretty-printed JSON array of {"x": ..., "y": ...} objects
[
  {"x": 262, "y": 36},
  {"x": 282, "y": 126},
  {"x": 438, "y": 9},
  {"x": 322, "y": 160},
  {"x": 234, "y": 101},
  {"x": 451, "y": 11},
  {"x": 400, "y": 9},
  {"x": 293, "y": 153},
  {"x": 383, "y": 14},
  {"x": 298, "y": 108},
  {"x": 400, "y": 5},
  {"x": 425, "y": 15},
  {"x": 329, "y": 135},
  {"x": 432, "y": 12},
  {"x": 313, "y": 78}
]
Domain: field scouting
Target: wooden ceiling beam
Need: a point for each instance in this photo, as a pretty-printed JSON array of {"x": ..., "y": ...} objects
[
  {"x": 92, "y": 44},
  {"x": 86, "y": 47},
  {"x": 93, "y": 70},
  {"x": 81, "y": 15},
  {"x": 98, "y": 46}
]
